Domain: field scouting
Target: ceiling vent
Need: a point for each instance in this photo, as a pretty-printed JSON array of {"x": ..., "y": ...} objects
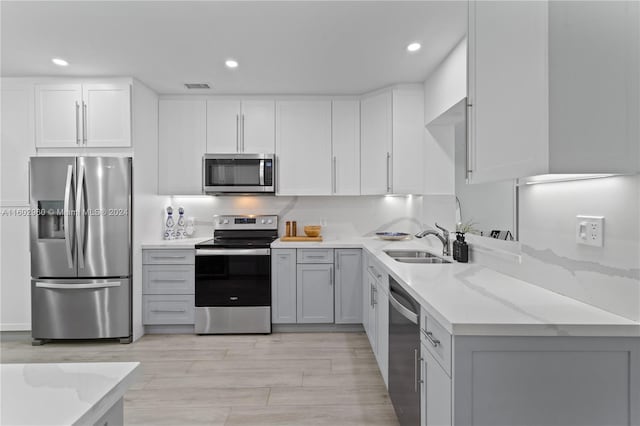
[{"x": 197, "y": 86}]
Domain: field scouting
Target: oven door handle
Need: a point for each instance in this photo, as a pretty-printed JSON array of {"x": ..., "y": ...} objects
[{"x": 233, "y": 252}]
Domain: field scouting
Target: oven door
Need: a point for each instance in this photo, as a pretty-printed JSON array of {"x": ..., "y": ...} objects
[
  {"x": 233, "y": 277},
  {"x": 238, "y": 173}
]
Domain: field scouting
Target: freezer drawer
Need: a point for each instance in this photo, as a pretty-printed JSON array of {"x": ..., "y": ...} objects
[{"x": 81, "y": 309}]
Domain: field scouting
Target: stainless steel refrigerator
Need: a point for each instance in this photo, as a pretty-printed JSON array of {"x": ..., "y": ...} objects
[{"x": 80, "y": 230}]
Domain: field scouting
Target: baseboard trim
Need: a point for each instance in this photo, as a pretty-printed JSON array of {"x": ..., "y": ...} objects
[
  {"x": 169, "y": 329},
  {"x": 317, "y": 328},
  {"x": 15, "y": 336}
]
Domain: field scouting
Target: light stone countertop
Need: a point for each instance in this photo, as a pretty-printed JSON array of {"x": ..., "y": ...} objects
[
  {"x": 62, "y": 394},
  {"x": 470, "y": 299},
  {"x": 185, "y": 243}
]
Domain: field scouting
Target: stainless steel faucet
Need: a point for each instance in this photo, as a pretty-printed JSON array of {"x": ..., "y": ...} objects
[{"x": 444, "y": 238}]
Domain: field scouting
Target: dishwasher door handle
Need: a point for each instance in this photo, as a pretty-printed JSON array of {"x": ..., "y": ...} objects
[{"x": 402, "y": 310}]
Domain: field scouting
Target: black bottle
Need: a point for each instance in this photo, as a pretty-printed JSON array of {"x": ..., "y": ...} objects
[{"x": 460, "y": 248}]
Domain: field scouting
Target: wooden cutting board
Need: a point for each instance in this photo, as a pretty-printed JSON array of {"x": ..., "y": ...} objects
[{"x": 299, "y": 239}]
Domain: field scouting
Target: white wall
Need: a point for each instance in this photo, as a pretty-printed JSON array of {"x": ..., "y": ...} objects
[
  {"x": 145, "y": 187},
  {"x": 447, "y": 84},
  {"x": 16, "y": 145},
  {"x": 341, "y": 217},
  {"x": 608, "y": 277}
]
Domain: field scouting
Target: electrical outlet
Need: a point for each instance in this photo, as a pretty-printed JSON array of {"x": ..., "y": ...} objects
[{"x": 590, "y": 230}]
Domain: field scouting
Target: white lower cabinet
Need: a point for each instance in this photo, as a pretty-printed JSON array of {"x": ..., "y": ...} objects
[
  {"x": 382, "y": 313},
  {"x": 320, "y": 286},
  {"x": 168, "y": 287},
  {"x": 376, "y": 313},
  {"x": 435, "y": 391}
]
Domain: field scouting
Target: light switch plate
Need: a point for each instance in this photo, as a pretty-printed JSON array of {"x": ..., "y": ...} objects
[{"x": 590, "y": 230}]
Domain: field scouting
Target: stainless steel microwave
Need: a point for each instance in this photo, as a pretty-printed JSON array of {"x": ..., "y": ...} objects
[{"x": 238, "y": 173}]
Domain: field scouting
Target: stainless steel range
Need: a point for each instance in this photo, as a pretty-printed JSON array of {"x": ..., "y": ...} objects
[{"x": 233, "y": 276}]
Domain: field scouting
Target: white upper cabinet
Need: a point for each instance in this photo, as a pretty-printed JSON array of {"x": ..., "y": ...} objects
[
  {"x": 17, "y": 141},
  {"x": 392, "y": 124},
  {"x": 77, "y": 115},
  {"x": 594, "y": 87},
  {"x": 553, "y": 88},
  {"x": 508, "y": 90},
  {"x": 408, "y": 141},
  {"x": 258, "y": 126},
  {"x": 345, "y": 143},
  {"x": 240, "y": 126},
  {"x": 223, "y": 126},
  {"x": 182, "y": 135},
  {"x": 303, "y": 147},
  {"x": 375, "y": 154}
]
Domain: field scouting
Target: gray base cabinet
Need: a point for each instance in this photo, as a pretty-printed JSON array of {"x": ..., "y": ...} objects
[
  {"x": 283, "y": 286},
  {"x": 543, "y": 381},
  {"x": 571, "y": 381},
  {"x": 375, "y": 315},
  {"x": 314, "y": 290},
  {"x": 316, "y": 286},
  {"x": 168, "y": 286},
  {"x": 348, "y": 276}
]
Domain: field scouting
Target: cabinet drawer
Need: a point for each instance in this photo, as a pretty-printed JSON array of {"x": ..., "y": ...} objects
[
  {"x": 168, "y": 257},
  {"x": 168, "y": 279},
  {"x": 168, "y": 309},
  {"x": 315, "y": 255},
  {"x": 436, "y": 339}
]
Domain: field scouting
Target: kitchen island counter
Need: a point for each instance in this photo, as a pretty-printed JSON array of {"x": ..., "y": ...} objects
[{"x": 64, "y": 394}]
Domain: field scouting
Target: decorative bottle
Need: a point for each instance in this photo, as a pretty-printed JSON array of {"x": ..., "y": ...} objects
[
  {"x": 169, "y": 232},
  {"x": 180, "y": 229}
]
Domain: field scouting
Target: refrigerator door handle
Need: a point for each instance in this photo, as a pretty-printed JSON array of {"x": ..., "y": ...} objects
[
  {"x": 81, "y": 217},
  {"x": 78, "y": 286},
  {"x": 66, "y": 213}
]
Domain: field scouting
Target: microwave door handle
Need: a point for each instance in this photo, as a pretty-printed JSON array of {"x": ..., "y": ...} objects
[
  {"x": 66, "y": 212},
  {"x": 261, "y": 172}
]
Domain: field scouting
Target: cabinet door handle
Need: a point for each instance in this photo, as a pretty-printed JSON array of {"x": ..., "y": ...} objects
[
  {"x": 337, "y": 262},
  {"x": 238, "y": 133},
  {"x": 429, "y": 335},
  {"x": 77, "y": 123},
  {"x": 388, "y": 172},
  {"x": 84, "y": 122},
  {"x": 242, "y": 127},
  {"x": 169, "y": 310},
  {"x": 467, "y": 147},
  {"x": 335, "y": 176},
  {"x": 371, "y": 295},
  {"x": 415, "y": 370},
  {"x": 331, "y": 276}
]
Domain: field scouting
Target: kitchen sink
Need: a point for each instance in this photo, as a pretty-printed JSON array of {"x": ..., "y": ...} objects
[{"x": 415, "y": 256}]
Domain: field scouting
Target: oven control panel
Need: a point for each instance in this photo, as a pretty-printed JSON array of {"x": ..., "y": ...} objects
[{"x": 245, "y": 222}]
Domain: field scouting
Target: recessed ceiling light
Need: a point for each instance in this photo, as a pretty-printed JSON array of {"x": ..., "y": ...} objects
[
  {"x": 414, "y": 47},
  {"x": 60, "y": 62},
  {"x": 231, "y": 63}
]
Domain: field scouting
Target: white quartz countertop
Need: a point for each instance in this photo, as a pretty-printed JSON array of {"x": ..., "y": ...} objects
[
  {"x": 62, "y": 394},
  {"x": 185, "y": 243},
  {"x": 469, "y": 299}
]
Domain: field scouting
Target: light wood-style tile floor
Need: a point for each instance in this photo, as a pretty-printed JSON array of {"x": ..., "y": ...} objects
[{"x": 278, "y": 379}]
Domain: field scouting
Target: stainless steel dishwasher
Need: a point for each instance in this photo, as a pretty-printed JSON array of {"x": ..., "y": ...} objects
[{"x": 404, "y": 354}]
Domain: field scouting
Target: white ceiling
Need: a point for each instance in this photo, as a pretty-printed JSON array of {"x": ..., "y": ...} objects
[{"x": 285, "y": 47}]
